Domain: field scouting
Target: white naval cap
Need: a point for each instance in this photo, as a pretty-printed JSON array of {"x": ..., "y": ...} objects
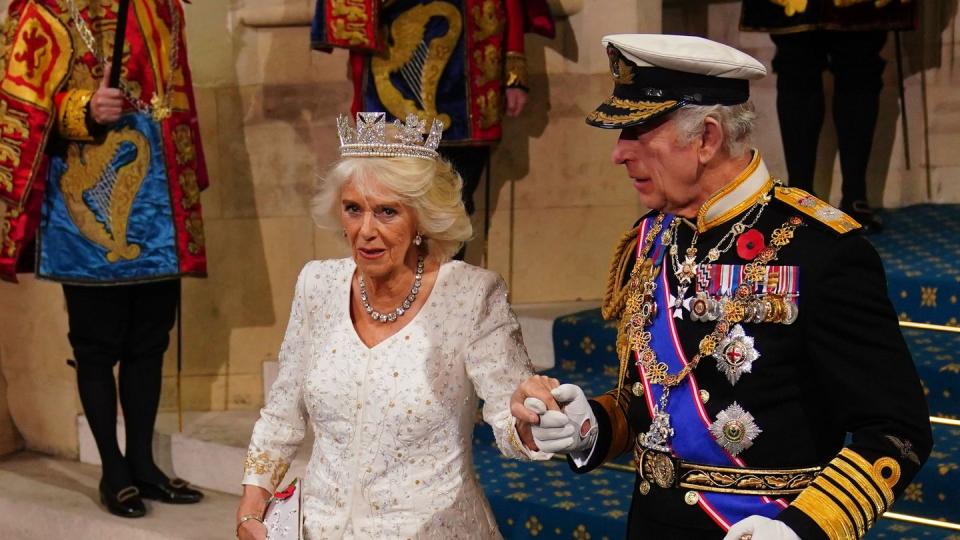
[{"x": 656, "y": 74}]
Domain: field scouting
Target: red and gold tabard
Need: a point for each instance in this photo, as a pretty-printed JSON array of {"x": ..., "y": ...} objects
[
  {"x": 106, "y": 204},
  {"x": 445, "y": 59}
]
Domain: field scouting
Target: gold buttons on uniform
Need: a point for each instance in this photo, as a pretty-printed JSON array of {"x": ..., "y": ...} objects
[
  {"x": 643, "y": 487},
  {"x": 704, "y": 396},
  {"x": 691, "y": 497},
  {"x": 637, "y": 389}
]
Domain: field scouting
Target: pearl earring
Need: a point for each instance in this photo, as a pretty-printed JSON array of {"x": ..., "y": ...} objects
[{"x": 418, "y": 240}]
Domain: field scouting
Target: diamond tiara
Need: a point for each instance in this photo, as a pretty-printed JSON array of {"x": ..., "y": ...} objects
[{"x": 369, "y": 138}]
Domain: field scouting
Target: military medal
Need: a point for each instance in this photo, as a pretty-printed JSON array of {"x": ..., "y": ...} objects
[
  {"x": 735, "y": 354},
  {"x": 735, "y": 429}
]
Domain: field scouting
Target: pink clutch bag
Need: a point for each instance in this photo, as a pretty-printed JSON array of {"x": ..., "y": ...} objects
[{"x": 284, "y": 516}]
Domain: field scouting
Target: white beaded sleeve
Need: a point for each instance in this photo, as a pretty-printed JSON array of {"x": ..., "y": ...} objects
[
  {"x": 281, "y": 427},
  {"x": 497, "y": 362}
]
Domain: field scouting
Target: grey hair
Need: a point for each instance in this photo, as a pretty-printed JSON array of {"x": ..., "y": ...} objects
[
  {"x": 430, "y": 187},
  {"x": 736, "y": 121}
]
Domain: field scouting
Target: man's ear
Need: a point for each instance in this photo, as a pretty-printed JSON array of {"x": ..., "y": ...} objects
[{"x": 711, "y": 140}]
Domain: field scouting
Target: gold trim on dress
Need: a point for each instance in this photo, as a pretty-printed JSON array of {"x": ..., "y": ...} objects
[
  {"x": 260, "y": 463},
  {"x": 704, "y": 224}
]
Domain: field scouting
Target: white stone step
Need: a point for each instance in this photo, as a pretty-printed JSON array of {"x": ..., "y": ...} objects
[
  {"x": 46, "y": 498},
  {"x": 209, "y": 453}
]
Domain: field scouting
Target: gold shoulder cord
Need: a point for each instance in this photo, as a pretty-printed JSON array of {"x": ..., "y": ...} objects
[{"x": 624, "y": 302}]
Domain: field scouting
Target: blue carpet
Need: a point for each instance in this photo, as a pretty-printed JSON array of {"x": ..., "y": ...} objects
[{"x": 920, "y": 249}]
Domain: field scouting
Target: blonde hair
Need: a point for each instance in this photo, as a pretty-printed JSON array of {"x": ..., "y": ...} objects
[
  {"x": 736, "y": 121},
  {"x": 431, "y": 188}
]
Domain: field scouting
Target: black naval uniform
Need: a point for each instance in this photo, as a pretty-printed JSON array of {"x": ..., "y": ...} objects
[{"x": 842, "y": 367}]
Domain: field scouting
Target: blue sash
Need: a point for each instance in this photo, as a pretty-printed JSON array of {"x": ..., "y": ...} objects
[{"x": 692, "y": 440}]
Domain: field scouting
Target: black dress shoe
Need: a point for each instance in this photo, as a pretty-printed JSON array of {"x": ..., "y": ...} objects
[
  {"x": 124, "y": 503},
  {"x": 861, "y": 211},
  {"x": 175, "y": 491}
]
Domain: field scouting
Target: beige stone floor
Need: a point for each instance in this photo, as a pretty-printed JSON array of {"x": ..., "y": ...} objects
[{"x": 45, "y": 498}]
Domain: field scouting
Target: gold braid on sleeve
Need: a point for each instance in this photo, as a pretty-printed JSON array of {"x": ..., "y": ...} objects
[
  {"x": 846, "y": 499},
  {"x": 72, "y": 116}
]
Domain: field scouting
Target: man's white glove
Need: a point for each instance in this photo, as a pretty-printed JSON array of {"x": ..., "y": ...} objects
[
  {"x": 760, "y": 528},
  {"x": 559, "y": 432}
]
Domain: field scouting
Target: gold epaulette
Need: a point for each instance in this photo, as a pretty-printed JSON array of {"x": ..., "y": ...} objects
[
  {"x": 615, "y": 297},
  {"x": 849, "y": 494},
  {"x": 817, "y": 209}
]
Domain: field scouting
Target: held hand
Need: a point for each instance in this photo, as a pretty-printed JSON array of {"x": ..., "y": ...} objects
[
  {"x": 537, "y": 387},
  {"x": 760, "y": 528},
  {"x": 573, "y": 430},
  {"x": 106, "y": 105},
  {"x": 516, "y": 101}
]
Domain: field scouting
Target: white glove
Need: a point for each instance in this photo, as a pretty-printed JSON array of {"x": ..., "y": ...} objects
[
  {"x": 760, "y": 528},
  {"x": 559, "y": 432}
]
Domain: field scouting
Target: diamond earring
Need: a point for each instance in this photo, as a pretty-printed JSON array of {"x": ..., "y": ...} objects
[{"x": 418, "y": 240}]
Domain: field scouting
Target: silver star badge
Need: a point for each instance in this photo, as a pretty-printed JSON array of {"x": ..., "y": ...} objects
[
  {"x": 735, "y": 429},
  {"x": 735, "y": 354}
]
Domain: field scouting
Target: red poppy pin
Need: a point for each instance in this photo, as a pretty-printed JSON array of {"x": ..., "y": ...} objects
[
  {"x": 750, "y": 244},
  {"x": 286, "y": 493}
]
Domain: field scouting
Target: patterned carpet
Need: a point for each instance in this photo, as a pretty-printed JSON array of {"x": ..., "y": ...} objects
[
  {"x": 920, "y": 249},
  {"x": 921, "y": 254}
]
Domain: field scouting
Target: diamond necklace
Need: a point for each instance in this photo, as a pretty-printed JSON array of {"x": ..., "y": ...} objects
[
  {"x": 404, "y": 306},
  {"x": 159, "y": 106}
]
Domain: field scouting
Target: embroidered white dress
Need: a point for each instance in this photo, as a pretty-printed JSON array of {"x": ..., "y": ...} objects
[{"x": 393, "y": 423}]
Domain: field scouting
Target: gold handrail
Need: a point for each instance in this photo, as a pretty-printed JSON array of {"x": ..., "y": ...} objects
[{"x": 928, "y": 326}]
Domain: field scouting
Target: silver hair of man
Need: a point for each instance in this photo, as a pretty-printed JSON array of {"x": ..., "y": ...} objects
[{"x": 736, "y": 121}]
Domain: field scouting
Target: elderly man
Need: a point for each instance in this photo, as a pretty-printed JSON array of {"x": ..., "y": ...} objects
[{"x": 754, "y": 332}]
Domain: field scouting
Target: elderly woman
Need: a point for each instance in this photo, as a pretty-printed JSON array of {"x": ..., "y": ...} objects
[{"x": 385, "y": 354}]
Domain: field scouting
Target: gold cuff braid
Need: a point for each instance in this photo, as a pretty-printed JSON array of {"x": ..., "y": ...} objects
[
  {"x": 72, "y": 116},
  {"x": 846, "y": 499},
  {"x": 516, "y": 71}
]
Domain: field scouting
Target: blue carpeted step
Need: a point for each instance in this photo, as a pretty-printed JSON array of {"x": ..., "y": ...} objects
[
  {"x": 920, "y": 249},
  {"x": 547, "y": 500}
]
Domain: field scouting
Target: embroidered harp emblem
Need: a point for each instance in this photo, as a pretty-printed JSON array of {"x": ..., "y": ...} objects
[
  {"x": 100, "y": 184},
  {"x": 417, "y": 62}
]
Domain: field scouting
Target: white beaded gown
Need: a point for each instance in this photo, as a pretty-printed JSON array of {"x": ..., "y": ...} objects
[{"x": 393, "y": 423}]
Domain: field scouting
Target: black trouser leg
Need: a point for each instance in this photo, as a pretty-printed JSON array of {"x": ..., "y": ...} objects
[
  {"x": 858, "y": 78},
  {"x": 470, "y": 162},
  {"x": 97, "y": 319},
  {"x": 153, "y": 312},
  {"x": 799, "y": 63}
]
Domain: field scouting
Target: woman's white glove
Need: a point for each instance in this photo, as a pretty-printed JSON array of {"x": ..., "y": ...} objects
[
  {"x": 760, "y": 528},
  {"x": 560, "y": 432}
]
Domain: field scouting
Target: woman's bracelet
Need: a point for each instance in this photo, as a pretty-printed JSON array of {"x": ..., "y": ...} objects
[{"x": 248, "y": 517}]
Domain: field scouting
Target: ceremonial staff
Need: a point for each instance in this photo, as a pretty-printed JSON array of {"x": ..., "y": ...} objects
[{"x": 119, "y": 38}]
